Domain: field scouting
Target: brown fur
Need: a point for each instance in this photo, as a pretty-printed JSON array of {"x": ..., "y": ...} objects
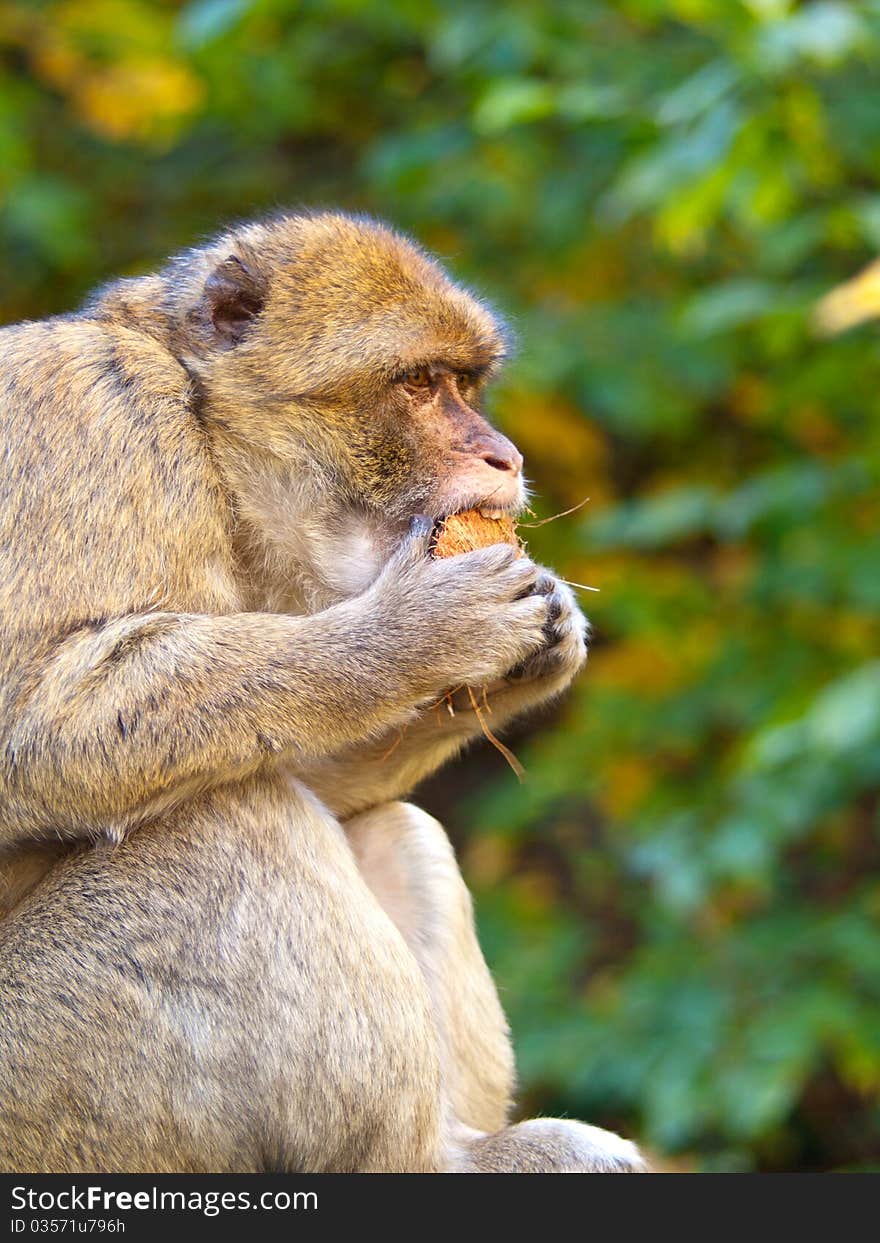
[{"x": 222, "y": 636}]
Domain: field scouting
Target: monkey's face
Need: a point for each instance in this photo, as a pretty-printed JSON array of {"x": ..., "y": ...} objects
[
  {"x": 355, "y": 361},
  {"x": 419, "y": 444}
]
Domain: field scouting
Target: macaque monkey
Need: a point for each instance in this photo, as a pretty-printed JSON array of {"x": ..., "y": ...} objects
[{"x": 226, "y": 944}]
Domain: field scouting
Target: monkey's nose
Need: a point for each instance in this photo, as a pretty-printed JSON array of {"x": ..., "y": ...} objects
[{"x": 501, "y": 455}]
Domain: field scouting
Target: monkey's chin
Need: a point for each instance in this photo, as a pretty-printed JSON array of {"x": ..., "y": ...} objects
[{"x": 489, "y": 496}]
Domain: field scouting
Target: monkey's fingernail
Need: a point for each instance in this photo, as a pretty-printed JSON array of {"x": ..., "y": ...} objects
[{"x": 420, "y": 525}]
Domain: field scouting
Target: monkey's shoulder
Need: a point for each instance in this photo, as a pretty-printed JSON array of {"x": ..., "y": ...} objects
[
  {"x": 108, "y": 493},
  {"x": 81, "y": 355},
  {"x": 83, "y": 398}
]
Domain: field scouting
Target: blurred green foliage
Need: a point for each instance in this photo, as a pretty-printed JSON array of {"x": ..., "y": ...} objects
[{"x": 682, "y": 902}]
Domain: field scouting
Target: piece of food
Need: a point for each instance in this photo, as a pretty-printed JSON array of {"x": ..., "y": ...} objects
[{"x": 471, "y": 529}]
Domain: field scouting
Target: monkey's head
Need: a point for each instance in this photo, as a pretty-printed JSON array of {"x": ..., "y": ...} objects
[{"x": 344, "y": 369}]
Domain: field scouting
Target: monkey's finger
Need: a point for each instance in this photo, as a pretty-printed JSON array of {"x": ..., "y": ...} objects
[
  {"x": 421, "y": 526},
  {"x": 554, "y": 612},
  {"x": 528, "y": 580},
  {"x": 416, "y": 544},
  {"x": 545, "y": 584},
  {"x": 495, "y": 564},
  {"x": 530, "y": 608}
]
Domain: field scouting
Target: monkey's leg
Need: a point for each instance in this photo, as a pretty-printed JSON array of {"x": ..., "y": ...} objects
[
  {"x": 407, "y": 860},
  {"x": 546, "y": 1146},
  {"x": 220, "y": 992}
]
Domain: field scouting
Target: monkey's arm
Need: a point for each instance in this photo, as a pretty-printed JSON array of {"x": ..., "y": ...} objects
[
  {"x": 390, "y": 766},
  {"x": 128, "y": 717},
  {"x": 146, "y": 708}
]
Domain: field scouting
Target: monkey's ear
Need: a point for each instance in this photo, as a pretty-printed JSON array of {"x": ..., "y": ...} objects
[{"x": 234, "y": 295}]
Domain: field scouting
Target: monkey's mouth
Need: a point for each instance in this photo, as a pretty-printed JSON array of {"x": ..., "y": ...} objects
[
  {"x": 478, "y": 503},
  {"x": 470, "y": 530},
  {"x": 495, "y": 513}
]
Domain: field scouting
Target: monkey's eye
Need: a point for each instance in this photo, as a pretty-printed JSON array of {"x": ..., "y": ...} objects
[{"x": 418, "y": 378}]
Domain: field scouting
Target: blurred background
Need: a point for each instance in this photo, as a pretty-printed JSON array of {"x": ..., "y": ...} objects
[{"x": 682, "y": 900}]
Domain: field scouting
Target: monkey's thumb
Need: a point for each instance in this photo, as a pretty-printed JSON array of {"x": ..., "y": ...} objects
[
  {"x": 417, "y": 541},
  {"x": 413, "y": 549}
]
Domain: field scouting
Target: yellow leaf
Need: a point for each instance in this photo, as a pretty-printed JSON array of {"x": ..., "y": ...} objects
[
  {"x": 851, "y": 303},
  {"x": 145, "y": 100}
]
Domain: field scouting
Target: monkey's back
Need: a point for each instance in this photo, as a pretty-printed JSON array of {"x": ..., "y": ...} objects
[{"x": 108, "y": 500}]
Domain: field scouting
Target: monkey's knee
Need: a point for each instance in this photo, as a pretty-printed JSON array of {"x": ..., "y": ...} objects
[
  {"x": 408, "y": 862},
  {"x": 548, "y": 1146}
]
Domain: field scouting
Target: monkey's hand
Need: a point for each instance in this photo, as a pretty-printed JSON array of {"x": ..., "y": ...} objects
[
  {"x": 545, "y": 673},
  {"x": 469, "y": 618},
  {"x": 564, "y": 649},
  {"x": 389, "y": 766}
]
